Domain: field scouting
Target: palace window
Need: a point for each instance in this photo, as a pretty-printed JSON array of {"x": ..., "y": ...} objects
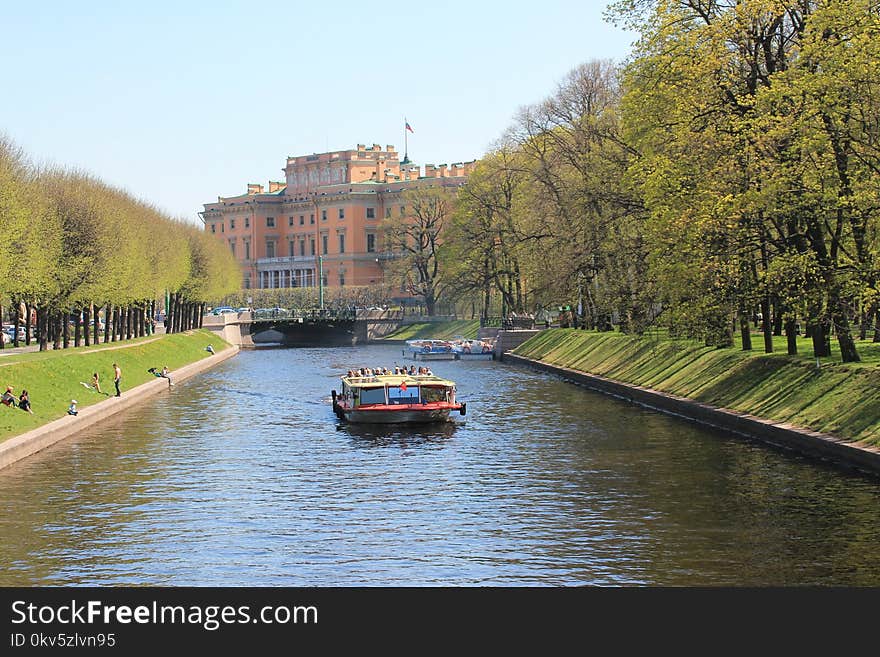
[
  {"x": 270, "y": 249},
  {"x": 324, "y": 244},
  {"x": 213, "y": 228},
  {"x": 371, "y": 213},
  {"x": 232, "y": 248},
  {"x": 270, "y": 222},
  {"x": 302, "y": 247},
  {"x": 290, "y": 221},
  {"x": 371, "y": 243},
  {"x": 402, "y": 210},
  {"x": 388, "y": 213},
  {"x": 247, "y": 250},
  {"x": 247, "y": 222},
  {"x": 290, "y": 248},
  {"x": 342, "y": 213},
  {"x": 311, "y": 218},
  {"x": 342, "y": 243},
  {"x": 302, "y": 219},
  {"x": 341, "y": 280},
  {"x": 312, "y": 246},
  {"x": 323, "y": 215},
  {"x": 232, "y": 224}
]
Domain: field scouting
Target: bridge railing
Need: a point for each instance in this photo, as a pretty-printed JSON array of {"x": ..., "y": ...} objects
[
  {"x": 305, "y": 314},
  {"x": 508, "y": 322}
]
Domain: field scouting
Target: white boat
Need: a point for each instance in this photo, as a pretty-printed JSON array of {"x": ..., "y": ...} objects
[{"x": 431, "y": 349}]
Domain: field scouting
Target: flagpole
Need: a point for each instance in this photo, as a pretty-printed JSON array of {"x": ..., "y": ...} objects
[{"x": 405, "y": 142}]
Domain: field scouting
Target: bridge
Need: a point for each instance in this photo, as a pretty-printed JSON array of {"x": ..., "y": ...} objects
[{"x": 312, "y": 327}]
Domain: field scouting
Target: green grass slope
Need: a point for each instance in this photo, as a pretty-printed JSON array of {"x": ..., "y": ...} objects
[
  {"x": 466, "y": 328},
  {"x": 843, "y": 400},
  {"x": 52, "y": 378}
]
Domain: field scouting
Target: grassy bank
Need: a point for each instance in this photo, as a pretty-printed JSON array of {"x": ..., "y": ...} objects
[
  {"x": 843, "y": 400},
  {"x": 467, "y": 328},
  {"x": 53, "y": 378}
]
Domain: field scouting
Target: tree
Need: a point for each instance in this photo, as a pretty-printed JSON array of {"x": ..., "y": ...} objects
[{"x": 418, "y": 239}]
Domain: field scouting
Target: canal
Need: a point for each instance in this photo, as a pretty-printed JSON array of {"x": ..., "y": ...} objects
[{"x": 243, "y": 476}]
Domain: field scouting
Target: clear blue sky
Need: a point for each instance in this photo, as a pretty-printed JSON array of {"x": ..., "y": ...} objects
[{"x": 179, "y": 102}]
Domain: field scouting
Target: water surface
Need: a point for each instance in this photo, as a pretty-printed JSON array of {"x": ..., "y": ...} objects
[{"x": 243, "y": 476}]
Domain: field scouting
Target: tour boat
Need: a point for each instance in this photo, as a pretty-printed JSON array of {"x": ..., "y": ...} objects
[
  {"x": 396, "y": 399},
  {"x": 431, "y": 349},
  {"x": 463, "y": 347}
]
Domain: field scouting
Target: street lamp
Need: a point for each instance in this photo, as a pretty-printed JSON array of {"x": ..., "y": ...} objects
[{"x": 321, "y": 280}]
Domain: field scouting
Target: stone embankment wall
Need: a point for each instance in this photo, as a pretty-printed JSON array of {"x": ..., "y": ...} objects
[
  {"x": 508, "y": 340},
  {"x": 232, "y": 327}
]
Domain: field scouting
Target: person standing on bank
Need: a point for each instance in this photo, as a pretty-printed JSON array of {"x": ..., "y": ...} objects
[{"x": 117, "y": 377}]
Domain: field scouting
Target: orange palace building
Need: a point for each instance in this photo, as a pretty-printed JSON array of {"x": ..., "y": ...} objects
[{"x": 330, "y": 206}]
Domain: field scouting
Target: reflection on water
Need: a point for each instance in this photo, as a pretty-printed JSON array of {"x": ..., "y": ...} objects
[{"x": 244, "y": 476}]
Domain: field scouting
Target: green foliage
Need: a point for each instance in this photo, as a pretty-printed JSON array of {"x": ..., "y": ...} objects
[
  {"x": 70, "y": 240},
  {"x": 437, "y": 330}
]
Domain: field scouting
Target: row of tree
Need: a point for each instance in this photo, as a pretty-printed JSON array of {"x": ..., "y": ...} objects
[
  {"x": 76, "y": 251},
  {"x": 728, "y": 172}
]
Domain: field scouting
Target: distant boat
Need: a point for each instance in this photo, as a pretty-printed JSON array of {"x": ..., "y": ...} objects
[
  {"x": 396, "y": 399},
  {"x": 467, "y": 347},
  {"x": 431, "y": 349}
]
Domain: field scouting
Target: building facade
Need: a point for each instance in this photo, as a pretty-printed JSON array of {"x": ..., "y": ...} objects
[{"x": 325, "y": 216}]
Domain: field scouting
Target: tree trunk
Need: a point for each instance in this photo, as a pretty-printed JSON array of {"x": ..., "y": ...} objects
[
  {"x": 766, "y": 325},
  {"x": 791, "y": 337},
  {"x": 877, "y": 327},
  {"x": 745, "y": 331},
  {"x": 108, "y": 321},
  {"x": 42, "y": 329},
  {"x": 60, "y": 325},
  {"x": 845, "y": 340},
  {"x": 821, "y": 339},
  {"x": 16, "y": 317},
  {"x": 65, "y": 328},
  {"x": 87, "y": 317},
  {"x": 77, "y": 327},
  {"x": 28, "y": 329}
]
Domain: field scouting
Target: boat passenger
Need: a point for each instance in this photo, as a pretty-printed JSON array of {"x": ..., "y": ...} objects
[{"x": 412, "y": 370}]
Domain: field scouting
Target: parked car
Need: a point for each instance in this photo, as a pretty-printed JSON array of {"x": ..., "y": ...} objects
[
  {"x": 222, "y": 309},
  {"x": 9, "y": 332}
]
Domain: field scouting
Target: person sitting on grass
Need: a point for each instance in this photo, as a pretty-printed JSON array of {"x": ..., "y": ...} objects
[
  {"x": 8, "y": 397},
  {"x": 71, "y": 410},
  {"x": 24, "y": 402},
  {"x": 209, "y": 349}
]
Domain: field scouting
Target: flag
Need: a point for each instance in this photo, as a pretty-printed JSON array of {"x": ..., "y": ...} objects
[
  {"x": 403, "y": 386},
  {"x": 408, "y": 127}
]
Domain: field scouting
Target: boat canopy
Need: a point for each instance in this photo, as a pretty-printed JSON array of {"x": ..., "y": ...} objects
[{"x": 395, "y": 380}]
